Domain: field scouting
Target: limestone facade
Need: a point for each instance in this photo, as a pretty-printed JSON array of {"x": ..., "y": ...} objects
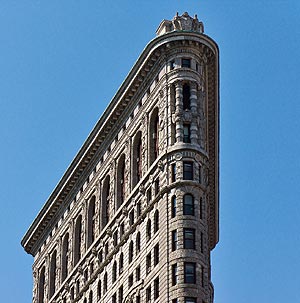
[{"x": 135, "y": 216}]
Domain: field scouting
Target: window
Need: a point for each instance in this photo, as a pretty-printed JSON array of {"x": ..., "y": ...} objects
[
  {"x": 173, "y": 172},
  {"x": 148, "y": 294},
  {"x": 148, "y": 263},
  {"x": 172, "y": 65},
  {"x": 121, "y": 294},
  {"x": 105, "y": 201},
  {"x": 115, "y": 237},
  {"x": 105, "y": 283},
  {"x": 173, "y": 207},
  {"x": 156, "y": 221},
  {"x": 156, "y": 288},
  {"x": 106, "y": 250},
  {"x": 138, "y": 273},
  {"x": 201, "y": 208},
  {"x": 190, "y": 300},
  {"x": 174, "y": 240},
  {"x": 77, "y": 240},
  {"x": 114, "y": 272},
  {"x": 41, "y": 287},
  {"x": 156, "y": 186},
  {"x": 201, "y": 242},
  {"x": 86, "y": 275},
  {"x": 131, "y": 217},
  {"x": 91, "y": 297},
  {"x": 138, "y": 243},
  {"x": 189, "y": 272},
  {"x": 100, "y": 256},
  {"x": 202, "y": 276},
  {"x": 154, "y": 136},
  {"x": 65, "y": 257},
  {"x": 186, "y": 97},
  {"x": 186, "y": 133},
  {"x": 188, "y": 170},
  {"x": 138, "y": 299},
  {"x": 149, "y": 194},
  {"x": 114, "y": 298},
  {"x": 138, "y": 209},
  {"x": 99, "y": 290},
  {"x": 156, "y": 254},
  {"x": 52, "y": 274},
  {"x": 137, "y": 155},
  {"x": 174, "y": 274},
  {"x": 186, "y": 62},
  {"x": 122, "y": 229},
  {"x": 121, "y": 186},
  {"x": 72, "y": 293},
  {"x": 200, "y": 174},
  {"x": 130, "y": 252},
  {"x": 188, "y": 205},
  {"x": 130, "y": 280},
  {"x": 121, "y": 263},
  {"x": 91, "y": 221},
  {"x": 148, "y": 230},
  {"x": 77, "y": 287},
  {"x": 174, "y": 300},
  {"x": 189, "y": 238}
]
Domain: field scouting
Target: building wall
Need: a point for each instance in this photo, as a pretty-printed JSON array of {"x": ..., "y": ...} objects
[{"x": 170, "y": 113}]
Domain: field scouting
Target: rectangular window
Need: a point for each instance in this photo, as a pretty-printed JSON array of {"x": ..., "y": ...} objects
[
  {"x": 148, "y": 294},
  {"x": 186, "y": 133},
  {"x": 186, "y": 62},
  {"x": 173, "y": 167},
  {"x": 174, "y": 206},
  {"x": 121, "y": 294},
  {"x": 122, "y": 230},
  {"x": 138, "y": 273},
  {"x": 189, "y": 238},
  {"x": 174, "y": 240},
  {"x": 156, "y": 254},
  {"x": 114, "y": 298},
  {"x": 138, "y": 209},
  {"x": 188, "y": 170},
  {"x": 148, "y": 263},
  {"x": 156, "y": 288},
  {"x": 188, "y": 205},
  {"x": 174, "y": 274},
  {"x": 156, "y": 186},
  {"x": 115, "y": 238},
  {"x": 201, "y": 242},
  {"x": 149, "y": 194},
  {"x": 189, "y": 272},
  {"x": 138, "y": 299},
  {"x": 131, "y": 217},
  {"x": 130, "y": 280},
  {"x": 190, "y": 300}
]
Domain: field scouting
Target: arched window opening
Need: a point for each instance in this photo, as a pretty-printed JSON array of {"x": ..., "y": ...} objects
[
  {"x": 85, "y": 301},
  {"x": 121, "y": 181},
  {"x": 156, "y": 221},
  {"x": 65, "y": 257},
  {"x": 91, "y": 221},
  {"x": 138, "y": 243},
  {"x": 186, "y": 94},
  {"x": 41, "y": 286},
  {"x": 148, "y": 230},
  {"x": 99, "y": 290},
  {"x": 188, "y": 205},
  {"x": 106, "y": 201},
  {"x": 52, "y": 280},
  {"x": 130, "y": 252},
  {"x": 121, "y": 263},
  {"x": 77, "y": 240},
  {"x": 137, "y": 156},
  {"x": 114, "y": 272},
  {"x": 154, "y": 135},
  {"x": 105, "y": 283},
  {"x": 91, "y": 297}
]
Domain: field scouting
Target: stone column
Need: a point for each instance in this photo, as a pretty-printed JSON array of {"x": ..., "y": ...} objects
[
  {"x": 178, "y": 111},
  {"x": 194, "y": 126}
]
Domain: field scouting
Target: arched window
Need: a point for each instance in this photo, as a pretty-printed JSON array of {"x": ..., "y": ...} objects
[
  {"x": 121, "y": 181},
  {"x": 148, "y": 230},
  {"x": 138, "y": 243},
  {"x": 65, "y": 257},
  {"x": 188, "y": 205},
  {"x": 156, "y": 221},
  {"x": 121, "y": 263},
  {"x": 154, "y": 136},
  {"x": 52, "y": 277},
  {"x": 91, "y": 221},
  {"x": 114, "y": 272},
  {"x": 85, "y": 301},
  {"x": 41, "y": 286},
  {"x": 130, "y": 252},
  {"x": 91, "y": 297},
  {"x": 99, "y": 290},
  {"x": 105, "y": 283},
  {"x": 186, "y": 94},
  {"x": 137, "y": 156},
  {"x": 106, "y": 201},
  {"x": 77, "y": 240}
]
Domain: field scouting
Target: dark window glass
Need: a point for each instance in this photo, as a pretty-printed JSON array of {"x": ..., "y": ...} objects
[
  {"x": 138, "y": 209},
  {"x": 130, "y": 252},
  {"x": 121, "y": 263},
  {"x": 173, "y": 172},
  {"x": 156, "y": 288},
  {"x": 186, "y": 133},
  {"x": 138, "y": 273},
  {"x": 121, "y": 294},
  {"x": 201, "y": 208},
  {"x": 148, "y": 263},
  {"x": 186, "y": 94},
  {"x": 138, "y": 299},
  {"x": 156, "y": 221},
  {"x": 172, "y": 64},
  {"x": 122, "y": 229},
  {"x": 130, "y": 280},
  {"x": 148, "y": 294},
  {"x": 174, "y": 300},
  {"x": 115, "y": 238},
  {"x": 114, "y": 298},
  {"x": 148, "y": 231},
  {"x": 149, "y": 194},
  {"x": 105, "y": 283},
  {"x": 201, "y": 242},
  {"x": 156, "y": 254},
  {"x": 131, "y": 217},
  {"x": 174, "y": 206},
  {"x": 190, "y": 272},
  {"x": 186, "y": 62},
  {"x": 188, "y": 170},
  {"x": 202, "y": 276},
  {"x": 189, "y": 238},
  {"x": 174, "y": 274},
  {"x": 190, "y": 300},
  {"x": 138, "y": 243},
  {"x": 174, "y": 240},
  {"x": 188, "y": 205},
  {"x": 156, "y": 185},
  {"x": 114, "y": 272}
]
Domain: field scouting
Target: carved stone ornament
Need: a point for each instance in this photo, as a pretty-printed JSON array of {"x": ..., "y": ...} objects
[
  {"x": 67, "y": 287},
  {"x": 178, "y": 156},
  {"x": 124, "y": 211},
  {"x": 94, "y": 251},
  {"x": 160, "y": 165},
  {"x": 80, "y": 270},
  {"x": 142, "y": 189},
  {"x": 109, "y": 231}
]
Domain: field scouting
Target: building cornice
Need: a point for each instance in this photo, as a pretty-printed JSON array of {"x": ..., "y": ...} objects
[{"x": 98, "y": 136}]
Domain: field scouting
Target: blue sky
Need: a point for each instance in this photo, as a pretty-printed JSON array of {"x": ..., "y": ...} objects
[{"x": 61, "y": 62}]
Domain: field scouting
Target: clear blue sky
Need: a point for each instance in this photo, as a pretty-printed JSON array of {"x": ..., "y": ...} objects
[{"x": 62, "y": 61}]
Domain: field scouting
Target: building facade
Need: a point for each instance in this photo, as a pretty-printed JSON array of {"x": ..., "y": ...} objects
[{"x": 135, "y": 216}]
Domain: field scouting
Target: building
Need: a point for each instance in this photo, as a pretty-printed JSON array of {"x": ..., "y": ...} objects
[{"x": 135, "y": 216}]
